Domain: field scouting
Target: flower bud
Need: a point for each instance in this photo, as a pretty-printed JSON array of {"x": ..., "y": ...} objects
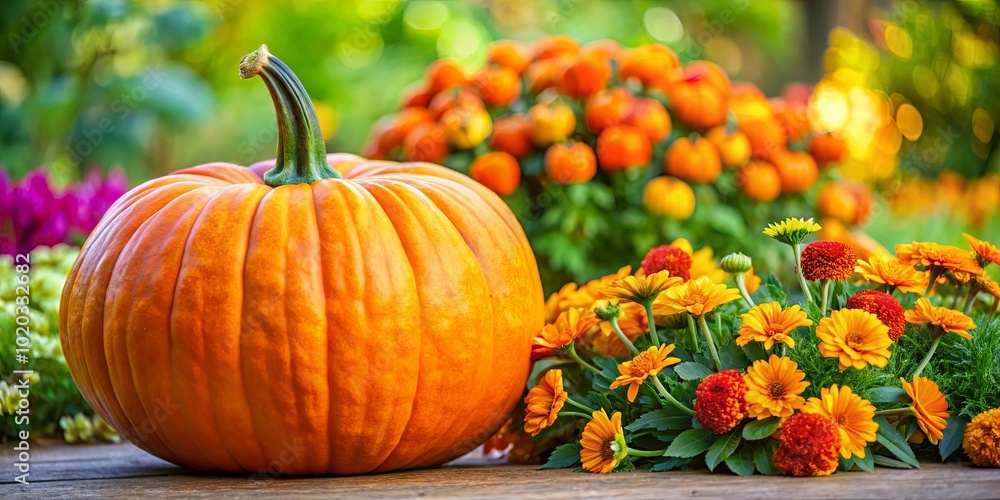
[
  {"x": 736, "y": 263},
  {"x": 609, "y": 311}
]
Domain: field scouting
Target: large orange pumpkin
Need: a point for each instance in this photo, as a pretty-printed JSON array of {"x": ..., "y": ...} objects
[{"x": 300, "y": 322}]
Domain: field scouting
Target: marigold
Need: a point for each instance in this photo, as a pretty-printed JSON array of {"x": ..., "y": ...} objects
[
  {"x": 949, "y": 320},
  {"x": 721, "y": 401},
  {"x": 791, "y": 231},
  {"x": 933, "y": 255},
  {"x": 702, "y": 261},
  {"x": 769, "y": 324},
  {"x": 884, "y": 270},
  {"x": 645, "y": 364},
  {"x": 774, "y": 387},
  {"x": 809, "y": 446},
  {"x": 603, "y": 443},
  {"x": 668, "y": 258},
  {"x": 856, "y": 338},
  {"x": 986, "y": 251},
  {"x": 929, "y": 406},
  {"x": 696, "y": 296},
  {"x": 543, "y": 402},
  {"x": 982, "y": 439},
  {"x": 854, "y": 416},
  {"x": 888, "y": 310},
  {"x": 641, "y": 287},
  {"x": 828, "y": 260},
  {"x": 569, "y": 325}
]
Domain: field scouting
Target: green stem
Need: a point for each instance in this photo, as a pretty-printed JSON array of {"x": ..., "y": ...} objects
[
  {"x": 652, "y": 323},
  {"x": 301, "y": 155},
  {"x": 932, "y": 279},
  {"x": 930, "y": 353},
  {"x": 742, "y": 285},
  {"x": 575, "y": 414},
  {"x": 711, "y": 343},
  {"x": 796, "y": 249},
  {"x": 825, "y": 297},
  {"x": 645, "y": 453},
  {"x": 958, "y": 295},
  {"x": 581, "y": 406},
  {"x": 576, "y": 357},
  {"x": 621, "y": 336},
  {"x": 694, "y": 333},
  {"x": 894, "y": 411},
  {"x": 971, "y": 299},
  {"x": 666, "y": 394}
]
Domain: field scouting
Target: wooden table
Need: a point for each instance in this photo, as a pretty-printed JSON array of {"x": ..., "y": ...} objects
[{"x": 59, "y": 470}]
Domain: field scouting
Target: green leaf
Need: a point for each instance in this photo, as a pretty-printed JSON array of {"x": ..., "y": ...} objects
[
  {"x": 670, "y": 463},
  {"x": 888, "y": 395},
  {"x": 601, "y": 401},
  {"x": 893, "y": 441},
  {"x": 777, "y": 294},
  {"x": 741, "y": 462},
  {"x": 728, "y": 220},
  {"x": 566, "y": 455},
  {"x": 885, "y": 461},
  {"x": 953, "y": 435},
  {"x": 755, "y": 351},
  {"x": 763, "y": 457},
  {"x": 760, "y": 429},
  {"x": 692, "y": 371},
  {"x": 720, "y": 450},
  {"x": 866, "y": 464},
  {"x": 846, "y": 464},
  {"x": 661, "y": 420},
  {"x": 690, "y": 443}
]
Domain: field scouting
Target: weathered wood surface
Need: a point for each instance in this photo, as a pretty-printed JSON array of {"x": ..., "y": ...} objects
[{"x": 61, "y": 471}]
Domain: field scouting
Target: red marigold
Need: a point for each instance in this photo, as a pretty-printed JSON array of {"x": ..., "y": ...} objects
[
  {"x": 669, "y": 258},
  {"x": 810, "y": 446},
  {"x": 721, "y": 401},
  {"x": 828, "y": 260},
  {"x": 888, "y": 310}
]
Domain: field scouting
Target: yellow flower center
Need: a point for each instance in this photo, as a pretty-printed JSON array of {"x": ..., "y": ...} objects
[
  {"x": 776, "y": 390},
  {"x": 695, "y": 297},
  {"x": 642, "y": 364},
  {"x": 855, "y": 340}
]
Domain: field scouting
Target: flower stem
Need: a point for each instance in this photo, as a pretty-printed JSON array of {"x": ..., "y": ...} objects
[
  {"x": 971, "y": 299},
  {"x": 894, "y": 411},
  {"x": 930, "y": 353},
  {"x": 932, "y": 279},
  {"x": 663, "y": 391},
  {"x": 622, "y": 337},
  {"x": 652, "y": 324},
  {"x": 645, "y": 453},
  {"x": 576, "y": 357},
  {"x": 796, "y": 249},
  {"x": 711, "y": 343},
  {"x": 742, "y": 285},
  {"x": 694, "y": 333},
  {"x": 825, "y": 298},
  {"x": 579, "y": 405},
  {"x": 575, "y": 414},
  {"x": 958, "y": 295}
]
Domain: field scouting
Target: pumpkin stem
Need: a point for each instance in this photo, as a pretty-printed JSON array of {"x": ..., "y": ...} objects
[{"x": 301, "y": 156}]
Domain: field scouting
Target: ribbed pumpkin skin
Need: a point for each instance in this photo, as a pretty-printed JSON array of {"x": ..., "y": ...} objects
[{"x": 372, "y": 323}]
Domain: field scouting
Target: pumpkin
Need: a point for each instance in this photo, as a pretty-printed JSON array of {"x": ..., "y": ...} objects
[
  {"x": 733, "y": 146},
  {"x": 697, "y": 103},
  {"x": 847, "y": 201},
  {"x": 550, "y": 123},
  {"x": 512, "y": 134},
  {"x": 570, "y": 164},
  {"x": 608, "y": 108},
  {"x": 652, "y": 65},
  {"x": 509, "y": 54},
  {"x": 759, "y": 181},
  {"x": 621, "y": 147},
  {"x": 498, "y": 171},
  {"x": 554, "y": 47},
  {"x": 426, "y": 142},
  {"x": 587, "y": 75},
  {"x": 228, "y": 321},
  {"x": 650, "y": 116},
  {"x": 797, "y": 169},
  {"x": 826, "y": 148},
  {"x": 693, "y": 160},
  {"x": 497, "y": 85},
  {"x": 669, "y": 197}
]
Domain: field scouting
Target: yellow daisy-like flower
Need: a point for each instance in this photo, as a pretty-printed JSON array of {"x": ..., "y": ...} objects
[
  {"x": 769, "y": 324},
  {"x": 695, "y": 296},
  {"x": 640, "y": 287},
  {"x": 854, "y": 416},
  {"x": 949, "y": 320},
  {"x": 929, "y": 406},
  {"x": 568, "y": 326},
  {"x": 884, "y": 270},
  {"x": 543, "y": 402},
  {"x": 773, "y": 387},
  {"x": 645, "y": 364},
  {"x": 791, "y": 231},
  {"x": 933, "y": 255},
  {"x": 986, "y": 251},
  {"x": 603, "y": 443},
  {"x": 855, "y": 337},
  {"x": 982, "y": 439}
]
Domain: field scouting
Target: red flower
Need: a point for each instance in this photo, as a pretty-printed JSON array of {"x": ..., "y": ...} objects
[
  {"x": 888, "y": 310},
  {"x": 668, "y": 258},
  {"x": 721, "y": 401},
  {"x": 828, "y": 260},
  {"x": 810, "y": 446}
]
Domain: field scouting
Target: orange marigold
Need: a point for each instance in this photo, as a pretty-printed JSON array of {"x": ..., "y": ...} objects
[
  {"x": 641, "y": 287},
  {"x": 854, "y": 416},
  {"x": 645, "y": 364},
  {"x": 883, "y": 270},
  {"x": 774, "y": 387},
  {"x": 668, "y": 258},
  {"x": 856, "y": 338},
  {"x": 933, "y": 255},
  {"x": 809, "y": 446},
  {"x": 985, "y": 250},
  {"x": 982, "y": 439},
  {"x": 543, "y": 402},
  {"x": 929, "y": 406},
  {"x": 828, "y": 260},
  {"x": 568, "y": 326},
  {"x": 888, "y": 310},
  {"x": 720, "y": 401},
  {"x": 770, "y": 324},
  {"x": 949, "y": 320},
  {"x": 603, "y": 443},
  {"x": 696, "y": 296}
]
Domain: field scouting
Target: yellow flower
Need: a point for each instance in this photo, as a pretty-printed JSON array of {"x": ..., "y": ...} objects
[
  {"x": 702, "y": 262},
  {"x": 854, "y": 416},
  {"x": 769, "y": 324},
  {"x": 774, "y": 387},
  {"x": 856, "y": 337},
  {"x": 883, "y": 270},
  {"x": 603, "y": 443},
  {"x": 933, "y": 255},
  {"x": 695, "y": 296},
  {"x": 645, "y": 364},
  {"x": 986, "y": 251},
  {"x": 929, "y": 406},
  {"x": 982, "y": 439},
  {"x": 791, "y": 231},
  {"x": 76, "y": 429},
  {"x": 949, "y": 320},
  {"x": 543, "y": 402},
  {"x": 639, "y": 287},
  {"x": 568, "y": 326}
]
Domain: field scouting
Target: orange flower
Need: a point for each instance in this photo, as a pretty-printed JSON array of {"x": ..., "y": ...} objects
[
  {"x": 603, "y": 443},
  {"x": 984, "y": 249},
  {"x": 695, "y": 296},
  {"x": 828, "y": 260},
  {"x": 645, "y": 364},
  {"x": 640, "y": 287},
  {"x": 774, "y": 387},
  {"x": 949, "y": 320},
  {"x": 929, "y": 406},
  {"x": 668, "y": 258},
  {"x": 888, "y": 310},
  {"x": 543, "y": 402},
  {"x": 933, "y": 255},
  {"x": 982, "y": 439},
  {"x": 883, "y": 270},
  {"x": 568, "y": 326},
  {"x": 721, "y": 401},
  {"x": 809, "y": 446},
  {"x": 769, "y": 324},
  {"x": 856, "y": 338},
  {"x": 853, "y": 415}
]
